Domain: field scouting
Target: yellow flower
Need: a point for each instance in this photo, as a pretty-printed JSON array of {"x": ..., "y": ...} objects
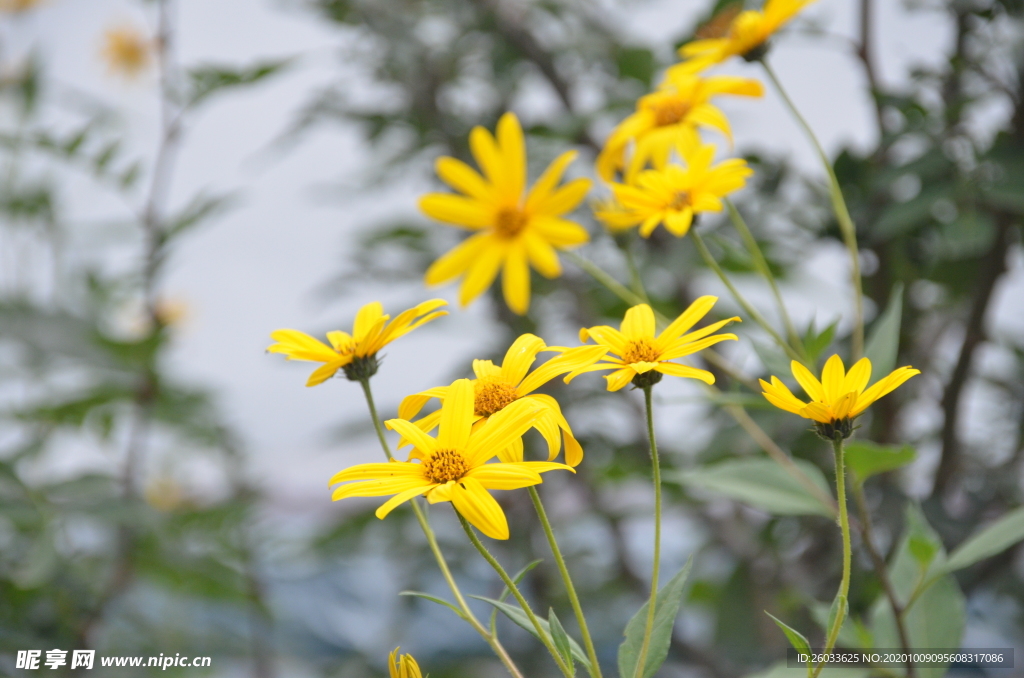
[
  {"x": 126, "y": 50},
  {"x": 453, "y": 466},
  {"x": 498, "y": 387},
  {"x": 355, "y": 353},
  {"x": 616, "y": 218},
  {"x": 745, "y": 36},
  {"x": 17, "y": 6},
  {"x": 674, "y": 195},
  {"x": 639, "y": 356},
  {"x": 838, "y": 398},
  {"x": 403, "y": 666},
  {"x": 668, "y": 119},
  {"x": 514, "y": 229}
]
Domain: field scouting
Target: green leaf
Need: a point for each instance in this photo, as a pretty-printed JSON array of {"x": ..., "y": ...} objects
[
  {"x": 837, "y": 614},
  {"x": 521, "y": 620},
  {"x": 937, "y": 617},
  {"x": 207, "y": 80},
  {"x": 519, "y": 577},
  {"x": 867, "y": 459},
  {"x": 560, "y": 638},
  {"x": 883, "y": 341},
  {"x": 200, "y": 208},
  {"x": 923, "y": 550},
  {"x": 434, "y": 599},
  {"x": 636, "y": 62},
  {"x": 796, "y": 639},
  {"x": 666, "y": 609},
  {"x": 815, "y": 343},
  {"x": 762, "y": 483},
  {"x": 995, "y": 538}
]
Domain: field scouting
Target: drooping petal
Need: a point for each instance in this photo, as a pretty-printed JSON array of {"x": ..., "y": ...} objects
[
  {"x": 479, "y": 508},
  {"x": 512, "y": 454},
  {"x": 399, "y": 499},
  {"x": 520, "y": 357},
  {"x": 458, "y": 260},
  {"x": 456, "y": 416},
  {"x": 325, "y": 372},
  {"x": 515, "y": 278},
  {"x": 619, "y": 378}
]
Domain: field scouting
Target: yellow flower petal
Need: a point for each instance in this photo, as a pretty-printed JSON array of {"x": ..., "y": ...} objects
[
  {"x": 542, "y": 255},
  {"x": 457, "y": 417},
  {"x": 883, "y": 387},
  {"x": 638, "y": 322},
  {"x": 687, "y": 319},
  {"x": 619, "y": 378},
  {"x": 479, "y": 508},
  {"x": 367, "y": 317},
  {"x": 482, "y": 271},
  {"x": 832, "y": 377},
  {"x": 676, "y": 370},
  {"x": 809, "y": 383},
  {"x": 504, "y": 476},
  {"x": 567, "y": 361},
  {"x": 457, "y": 210},
  {"x": 548, "y": 180},
  {"x": 519, "y": 357},
  {"x": 464, "y": 179},
  {"x": 458, "y": 260},
  {"x": 500, "y": 430},
  {"x": 413, "y": 434},
  {"x": 515, "y": 279},
  {"x": 858, "y": 376},
  {"x": 399, "y": 499},
  {"x": 513, "y": 151},
  {"x": 324, "y": 372},
  {"x": 412, "y": 404}
]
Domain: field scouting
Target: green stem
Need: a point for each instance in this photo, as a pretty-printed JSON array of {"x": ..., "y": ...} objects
[
  {"x": 846, "y": 225},
  {"x": 635, "y": 281},
  {"x": 442, "y": 564},
  {"x": 766, "y": 272},
  {"x": 844, "y": 524},
  {"x": 525, "y": 606},
  {"x": 599, "y": 274},
  {"x": 574, "y": 600},
  {"x": 653, "y": 601},
  {"x": 750, "y": 310}
]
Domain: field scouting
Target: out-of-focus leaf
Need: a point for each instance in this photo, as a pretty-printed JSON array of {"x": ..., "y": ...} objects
[
  {"x": 200, "y": 208},
  {"x": 434, "y": 599},
  {"x": 852, "y": 633},
  {"x": 883, "y": 341},
  {"x": 208, "y": 80},
  {"x": 761, "y": 483},
  {"x": 867, "y": 459},
  {"x": 937, "y": 618},
  {"x": 516, "y": 614},
  {"x": 1000, "y": 535},
  {"x": 815, "y": 342},
  {"x": 637, "y": 63},
  {"x": 773, "y": 359},
  {"x": 666, "y": 609}
]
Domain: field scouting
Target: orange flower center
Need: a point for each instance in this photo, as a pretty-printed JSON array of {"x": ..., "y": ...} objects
[
  {"x": 445, "y": 465},
  {"x": 680, "y": 200},
  {"x": 346, "y": 349},
  {"x": 669, "y": 111},
  {"x": 640, "y": 351},
  {"x": 493, "y": 396},
  {"x": 510, "y": 221}
]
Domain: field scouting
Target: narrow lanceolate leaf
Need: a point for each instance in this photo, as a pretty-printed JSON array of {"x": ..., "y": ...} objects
[
  {"x": 560, "y": 638},
  {"x": 998, "y": 536},
  {"x": 666, "y": 609},
  {"x": 520, "y": 619},
  {"x": 883, "y": 341},
  {"x": 837, "y": 614},
  {"x": 796, "y": 639},
  {"x": 867, "y": 459},
  {"x": 434, "y": 599}
]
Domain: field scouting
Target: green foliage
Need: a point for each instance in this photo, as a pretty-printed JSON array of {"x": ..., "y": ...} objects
[
  {"x": 865, "y": 458},
  {"x": 796, "y": 639},
  {"x": 761, "y": 483},
  {"x": 666, "y": 609},
  {"x": 519, "y": 617},
  {"x": 883, "y": 342},
  {"x": 207, "y": 80},
  {"x": 995, "y": 538}
]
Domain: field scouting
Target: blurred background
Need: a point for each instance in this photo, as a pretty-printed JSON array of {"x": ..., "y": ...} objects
[{"x": 180, "y": 178}]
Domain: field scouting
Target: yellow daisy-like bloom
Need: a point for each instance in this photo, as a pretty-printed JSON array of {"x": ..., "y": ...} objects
[
  {"x": 637, "y": 355},
  {"x": 668, "y": 119},
  {"x": 126, "y": 50},
  {"x": 514, "y": 228},
  {"x": 403, "y": 666},
  {"x": 356, "y": 353},
  {"x": 745, "y": 36},
  {"x": 453, "y": 466},
  {"x": 613, "y": 215},
  {"x": 495, "y": 388},
  {"x": 840, "y": 395},
  {"x": 674, "y": 195}
]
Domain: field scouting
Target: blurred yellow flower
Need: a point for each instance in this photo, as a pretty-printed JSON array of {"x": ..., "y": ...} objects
[
  {"x": 355, "y": 353},
  {"x": 668, "y": 119},
  {"x": 637, "y": 355},
  {"x": 745, "y": 36},
  {"x": 514, "y": 230},
  {"x": 838, "y": 398},
  {"x": 497, "y": 387},
  {"x": 403, "y": 666},
  {"x": 127, "y": 50},
  {"x": 674, "y": 195},
  {"x": 453, "y": 466},
  {"x": 17, "y": 6}
]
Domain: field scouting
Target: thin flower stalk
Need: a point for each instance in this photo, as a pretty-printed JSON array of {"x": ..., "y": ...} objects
[
  {"x": 846, "y": 225},
  {"x": 507, "y": 580},
  {"x": 766, "y": 272},
  {"x": 588, "y": 642},
  {"x": 844, "y": 525},
  {"x": 655, "y": 568},
  {"x": 435, "y": 549},
  {"x": 741, "y": 300}
]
